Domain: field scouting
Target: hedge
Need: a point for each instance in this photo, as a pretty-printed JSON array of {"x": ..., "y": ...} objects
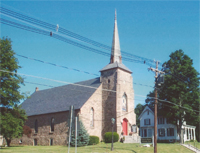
[
  {"x": 108, "y": 137},
  {"x": 93, "y": 140}
]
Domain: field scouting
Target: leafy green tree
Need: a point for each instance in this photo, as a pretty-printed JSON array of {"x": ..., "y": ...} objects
[
  {"x": 12, "y": 117},
  {"x": 82, "y": 138},
  {"x": 138, "y": 110},
  {"x": 181, "y": 87},
  {"x": 11, "y": 123}
]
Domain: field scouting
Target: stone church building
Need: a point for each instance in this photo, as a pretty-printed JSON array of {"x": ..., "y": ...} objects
[{"x": 96, "y": 101}]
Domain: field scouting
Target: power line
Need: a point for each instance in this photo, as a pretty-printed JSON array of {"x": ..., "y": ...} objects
[
  {"x": 55, "y": 80},
  {"x": 64, "y": 31},
  {"x": 71, "y": 34},
  {"x": 92, "y": 87},
  {"x": 45, "y": 62},
  {"x": 53, "y": 64},
  {"x": 56, "y": 36},
  {"x": 62, "y": 81}
]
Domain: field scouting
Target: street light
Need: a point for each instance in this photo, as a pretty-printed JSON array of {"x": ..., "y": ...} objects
[{"x": 113, "y": 121}]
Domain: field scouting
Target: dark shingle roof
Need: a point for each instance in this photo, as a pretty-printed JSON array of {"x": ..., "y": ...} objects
[{"x": 59, "y": 99}]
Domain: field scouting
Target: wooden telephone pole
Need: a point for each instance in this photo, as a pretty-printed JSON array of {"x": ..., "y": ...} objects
[{"x": 155, "y": 105}]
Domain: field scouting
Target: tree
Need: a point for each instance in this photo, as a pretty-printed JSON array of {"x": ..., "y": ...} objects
[
  {"x": 181, "y": 87},
  {"x": 12, "y": 117},
  {"x": 12, "y": 121},
  {"x": 82, "y": 138},
  {"x": 138, "y": 110}
]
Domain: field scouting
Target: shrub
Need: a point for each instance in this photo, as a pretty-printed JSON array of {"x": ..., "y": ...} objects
[
  {"x": 82, "y": 138},
  {"x": 108, "y": 137},
  {"x": 27, "y": 131},
  {"x": 93, "y": 140},
  {"x": 193, "y": 140}
]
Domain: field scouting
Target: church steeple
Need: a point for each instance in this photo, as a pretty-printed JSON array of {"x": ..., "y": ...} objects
[{"x": 115, "y": 53}]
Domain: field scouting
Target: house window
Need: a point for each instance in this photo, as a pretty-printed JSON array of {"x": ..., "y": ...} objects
[
  {"x": 124, "y": 102},
  {"x": 35, "y": 142},
  {"x": 52, "y": 125},
  {"x": 92, "y": 117},
  {"x": 161, "y": 120},
  {"x": 51, "y": 142},
  {"x": 170, "y": 132},
  {"x": 36, "y": 126},
  {"x": 145, "y": 132},
  {"x": 147, "y": 121},
  {"x": 147, "y": 112},
  {"x": 161, "y": 132}
]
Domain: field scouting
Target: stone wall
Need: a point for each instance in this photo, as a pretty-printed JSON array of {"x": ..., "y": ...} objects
[
  {"x": 125, "y": 86},
  {"x": 108, "y": 79},
  {"x": 44, "y": 134},
  {"x": 95, "y": 102},
  {"x": 122, "y": 82}
]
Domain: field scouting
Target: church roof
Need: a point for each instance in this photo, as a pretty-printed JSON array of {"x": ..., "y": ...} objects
[
  {"x": 115, "y": 65},
  {"x": 59, "y": 99}
]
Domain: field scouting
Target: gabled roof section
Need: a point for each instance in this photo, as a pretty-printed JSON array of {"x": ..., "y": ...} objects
[
  {"x": 59, "y": 99},
  {"x": 144, "y": 110},
  {"x": 115, "y": 65}
]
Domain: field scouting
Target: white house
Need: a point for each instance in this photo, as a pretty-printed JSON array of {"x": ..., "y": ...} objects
[{"x": 165, "y": 130}]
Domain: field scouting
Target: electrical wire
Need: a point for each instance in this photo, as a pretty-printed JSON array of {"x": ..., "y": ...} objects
[
  {"x": 64, "y": 31},
  {"x": 45, "y": 62},
  {"x": 92, "y": 87}
]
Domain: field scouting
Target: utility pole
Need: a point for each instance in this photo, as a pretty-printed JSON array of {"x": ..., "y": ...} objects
[
  {"x": 70, "y": 126},
  {"x": 155, "y": 105}
]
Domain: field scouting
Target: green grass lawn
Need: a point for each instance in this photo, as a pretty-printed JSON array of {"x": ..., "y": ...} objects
[{"x": 100, "y": 148}]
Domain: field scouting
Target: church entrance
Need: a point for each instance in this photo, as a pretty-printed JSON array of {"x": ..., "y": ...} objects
[{"x": 125, "y": 126}]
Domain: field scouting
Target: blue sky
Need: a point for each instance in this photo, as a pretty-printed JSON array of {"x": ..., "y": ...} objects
[{"x": 150, "y": 29}]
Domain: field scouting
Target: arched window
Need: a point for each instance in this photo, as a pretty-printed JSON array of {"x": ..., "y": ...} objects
[
  {"x": 124, "y": 102},
  {"x": 92, "y": 117},
  {"x": 52, "y": 124},
  {"x": 36, "y": 126}
]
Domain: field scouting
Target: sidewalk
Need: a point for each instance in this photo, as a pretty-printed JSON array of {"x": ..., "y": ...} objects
[{"x": 191, "y": 148}]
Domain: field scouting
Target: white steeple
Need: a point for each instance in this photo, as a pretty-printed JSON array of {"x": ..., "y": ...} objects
[{"x": 115, "y": 53}]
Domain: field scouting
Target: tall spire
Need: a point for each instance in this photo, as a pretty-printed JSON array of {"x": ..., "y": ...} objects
[{"x": 115, "y": 53}]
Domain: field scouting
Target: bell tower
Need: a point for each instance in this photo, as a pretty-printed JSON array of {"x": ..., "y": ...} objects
[{"x": 118, "y": 96}]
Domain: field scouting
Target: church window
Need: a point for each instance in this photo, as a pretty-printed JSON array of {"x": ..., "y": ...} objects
[
  {"x": 52, "y": 124},
  {"x": 36, "y": 126},
  {"x": 108, "y": 80},
  {"x": 92, "y": 117},
  {"x": 124, "y": 102}
]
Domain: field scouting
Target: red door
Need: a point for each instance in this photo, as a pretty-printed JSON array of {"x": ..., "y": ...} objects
[{"x": 125, "y": 126}]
